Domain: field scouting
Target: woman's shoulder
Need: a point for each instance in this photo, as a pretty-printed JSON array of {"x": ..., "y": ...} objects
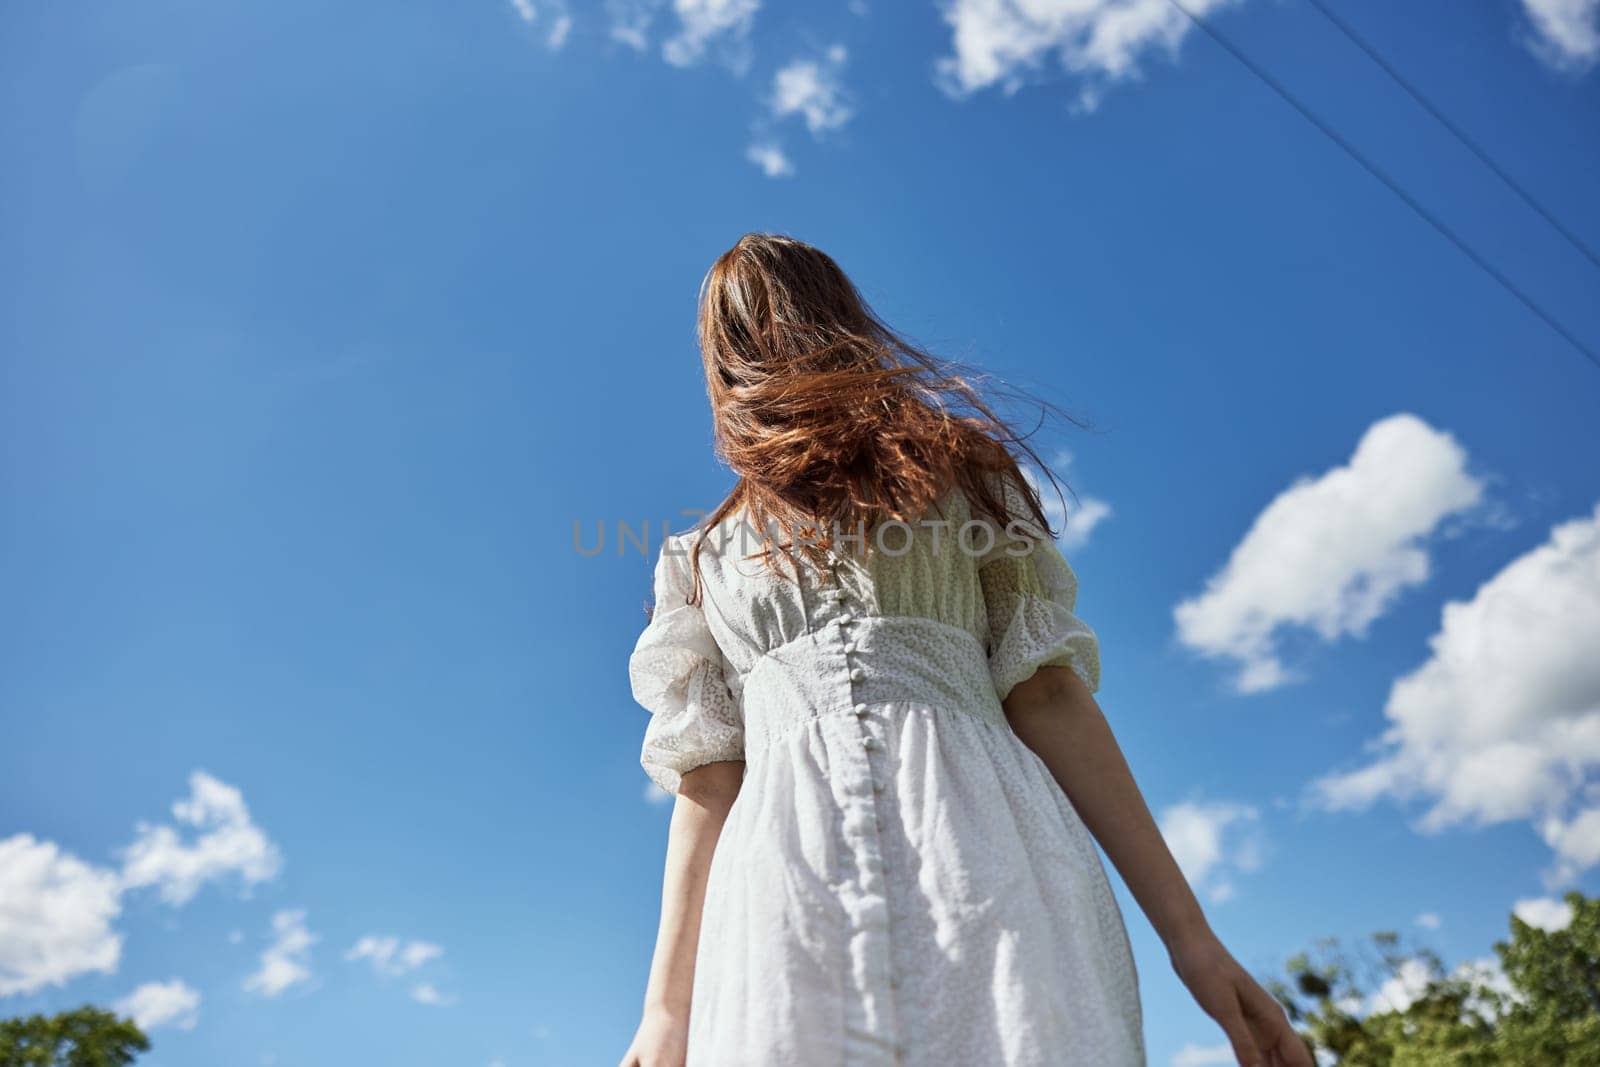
[{"x": 712, "y": 538}]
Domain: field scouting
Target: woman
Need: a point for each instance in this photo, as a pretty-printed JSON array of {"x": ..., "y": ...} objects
[{"x": 873, "y": 702}]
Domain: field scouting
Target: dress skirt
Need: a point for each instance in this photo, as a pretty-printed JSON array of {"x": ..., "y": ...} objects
[{"x": 901, "y": 881}]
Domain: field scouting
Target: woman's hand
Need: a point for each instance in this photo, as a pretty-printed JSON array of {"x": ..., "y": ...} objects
[
  {"x": 1255, "y": 1023},
  {"x": 662, "y": 1041}
]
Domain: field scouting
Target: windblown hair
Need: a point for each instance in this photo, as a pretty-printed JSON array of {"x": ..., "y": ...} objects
[{"x": 832, "y": 421}]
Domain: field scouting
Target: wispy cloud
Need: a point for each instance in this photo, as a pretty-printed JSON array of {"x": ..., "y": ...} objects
[
  {"x": 286, "y": 962},
  {"x": 1213, "y": 843},
  {"x": 704, "y": 25},
  {"x": 1502, "y": 722},
  {"x": 808, "y": 89},
  {"x": 560, "y": 27},
  {"x": 770, "y": 157},
  {"x": 427, "y": 993},
  {"x": 1331, "y": 553},
  {"x": 630, "y": 22},
  {"x": 390, "y": 955},
  {"x": 552, "y": 16},
  {"x": 1078, "y": 524},
  {"x": 700, "y": 29},
  {"x": 813, "y": 89},
  {"x": 157, "y": 1004},
  {"x": 1566, "y": 32}
]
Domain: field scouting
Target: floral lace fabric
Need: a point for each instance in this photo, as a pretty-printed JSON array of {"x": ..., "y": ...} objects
[
  {"x": 677, "y": 672},
  {"x": 1029, "y": 600}
]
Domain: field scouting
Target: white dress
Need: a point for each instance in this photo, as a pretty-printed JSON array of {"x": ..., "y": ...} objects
[{"x": 900, "y": 880}]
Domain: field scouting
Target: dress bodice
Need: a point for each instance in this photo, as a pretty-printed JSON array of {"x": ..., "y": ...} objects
[{"x": 951, "y": 611}]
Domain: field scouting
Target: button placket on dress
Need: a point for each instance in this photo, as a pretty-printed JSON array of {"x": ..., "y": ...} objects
[{"x": 874, "y": 873}]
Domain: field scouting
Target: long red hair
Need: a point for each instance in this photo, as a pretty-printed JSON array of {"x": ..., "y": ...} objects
[{"x": 834, "y": 422}]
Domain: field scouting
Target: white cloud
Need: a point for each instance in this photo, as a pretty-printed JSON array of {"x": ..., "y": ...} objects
[
  {"x": 1429, "y": 920},
  {"x": 702, "y": 25},
  {"x": 56, "y": 913},
  {"x": 174, "y": 1003},
  {"x": 810, "y": 90},
  {"x": 704, "y": 22},
  {"x": 1413, "y": 976},
  {"x": 1098, "y": 42},
  {"x": 560, "y": 27},
  {"x": 390, "y": 956},
  {"x": 1403, "y": 988},
  {"x": 227, "y": 843},
  {"x": 1212, "y": 842},
  {"x": 1546, "y": 913},
  {"x": 1076, "y": 526},
  {"x": 1502, "y": 722},
  {"x": 1575, "y": 840},
  {"x": 1079, "y": 526},
  {"x": 814, "y": 90},
  {"x": 427, "y": 993},
  {"x": 1349, "y": 1004},
  {"x": 630, "y": 22},
  {"x": 654, "y": 794},
  {"x": 1192, "y": 1055},
  {"x": 770, "y": 157},
  {"x": 560, "y": 20},
  {"x": 1568, "y": 31},
  {"x": 1332, "y": 553},
  {"x": 286, "y": 961},
  {"x": 1486, "y": 973}
]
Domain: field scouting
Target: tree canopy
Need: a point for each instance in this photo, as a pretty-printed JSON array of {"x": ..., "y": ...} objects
[
  {"x": 87, "y": 1037},
  {"x": 1535, "y": 1001}
]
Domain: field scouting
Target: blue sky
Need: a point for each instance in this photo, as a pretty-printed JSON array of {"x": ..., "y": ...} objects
[{"x": 323, "y": 324}]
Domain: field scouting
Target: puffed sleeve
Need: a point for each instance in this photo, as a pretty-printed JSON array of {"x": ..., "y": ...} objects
[
  {"x": 1030, "y": 593},
  {"x": 677, "y": 674}
]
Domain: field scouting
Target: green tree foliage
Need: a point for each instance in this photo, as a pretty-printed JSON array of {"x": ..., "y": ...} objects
[
  {"x": 1536, "y": 1002},
  {"x": 87, "y": 1037}
]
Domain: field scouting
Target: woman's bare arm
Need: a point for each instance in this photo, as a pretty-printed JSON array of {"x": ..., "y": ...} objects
[
  {"x": 1057, "y": 717},
  {"x": 705, "y": 796}
]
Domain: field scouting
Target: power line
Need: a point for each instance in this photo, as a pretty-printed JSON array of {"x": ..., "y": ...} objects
[
  {"x": 1377, "y": 172},
  {"x": 1456, "y": 131}
]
